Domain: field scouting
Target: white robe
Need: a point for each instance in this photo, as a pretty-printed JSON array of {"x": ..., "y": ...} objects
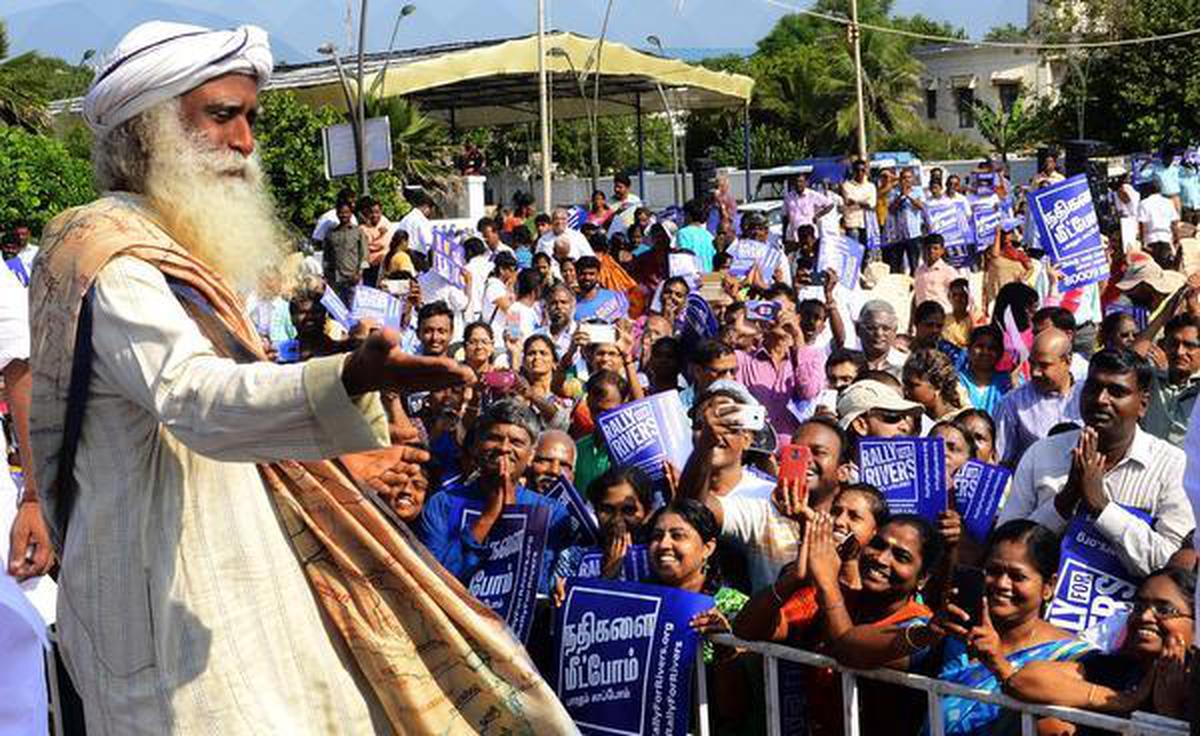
[{"x": 182, "y": 607}]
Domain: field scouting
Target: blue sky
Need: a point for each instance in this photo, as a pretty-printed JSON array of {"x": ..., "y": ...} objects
[{"x": 66, "y": 28}]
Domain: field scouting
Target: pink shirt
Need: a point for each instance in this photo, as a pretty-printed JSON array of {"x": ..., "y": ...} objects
[
  {"x": 932, "y": 283},
  {"x": 800, "y": 377}
]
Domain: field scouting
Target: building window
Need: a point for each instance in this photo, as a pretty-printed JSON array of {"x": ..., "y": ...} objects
[
  {"x": 1008, "y": 96},
  {"x": 931, "y": 104},
  {"x": 966, "y": 107}
]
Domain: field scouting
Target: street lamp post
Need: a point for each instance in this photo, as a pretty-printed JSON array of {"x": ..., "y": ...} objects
[
  {"x": 856, "y": 38},
  {"x": 328, "y": 49},
  {"x": 543, "y": 104},
  {"x": 560, "y": 52},
  {"x": 405, "y": 11},
  {"x": 363, "y": 185},
  {"x": 657, "y": 43}
]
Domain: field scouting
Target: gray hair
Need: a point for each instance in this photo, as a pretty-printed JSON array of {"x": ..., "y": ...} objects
[
  {"x": 121, "y": 157},
  {"x": 875, "y": 309},
  {"x": 508, "y": 411}
]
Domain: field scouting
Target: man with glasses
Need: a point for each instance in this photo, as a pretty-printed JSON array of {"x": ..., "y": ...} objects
[
  {"x": 877, "y": 332},
  {"x": 871, "y": 408},
  {"x": 1108, "y": 468},
  {"x": 1173, "y": 391}
]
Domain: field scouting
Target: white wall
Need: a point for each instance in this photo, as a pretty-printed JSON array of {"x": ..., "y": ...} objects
[{"x": 984, "y": 70}]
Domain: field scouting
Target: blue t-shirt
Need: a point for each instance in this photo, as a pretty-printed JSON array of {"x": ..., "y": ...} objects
[
  {"x": 607, "y": 305},
  {"x": 441, "y": 530},
  {"x": 698, "y": 240},
  {"x": 1168, "y": 179},
  {"x": 1189, "y": 188}
]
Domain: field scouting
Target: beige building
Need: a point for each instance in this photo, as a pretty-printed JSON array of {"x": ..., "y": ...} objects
[
  {"x": 958, "y": 75},
  {"x": 955, "y": 77}
]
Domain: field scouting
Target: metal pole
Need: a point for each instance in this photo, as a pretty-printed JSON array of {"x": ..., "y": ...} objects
[
  {"x": 674, "y": 158},
  {"x": 350, "y": 110},
  {"x": 363, "y": 186},
  {"x": 596, "y": 87},
  {"x": 746, "y": 145},
  {"x": 855, "y": 37},
  {"x": 542, "y": 103},
  {"x": 637, "y": 105}
]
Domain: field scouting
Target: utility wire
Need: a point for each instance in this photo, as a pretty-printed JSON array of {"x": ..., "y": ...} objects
[{"x": 994, "y": 44}]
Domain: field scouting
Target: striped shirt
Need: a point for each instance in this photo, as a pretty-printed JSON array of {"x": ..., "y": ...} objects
[{"x": 1149, "y": 478}]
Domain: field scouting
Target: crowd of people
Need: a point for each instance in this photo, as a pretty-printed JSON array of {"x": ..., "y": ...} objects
[
  {"x": 492, "y": 381},
  {"x": 1085, "y": 395}
]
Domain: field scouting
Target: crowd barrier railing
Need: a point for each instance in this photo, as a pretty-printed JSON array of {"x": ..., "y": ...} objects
[{"x": 1140, "y": 724}]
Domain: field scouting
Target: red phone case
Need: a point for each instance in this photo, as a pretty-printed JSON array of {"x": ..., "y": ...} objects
[{"x": 794, "y": 460}]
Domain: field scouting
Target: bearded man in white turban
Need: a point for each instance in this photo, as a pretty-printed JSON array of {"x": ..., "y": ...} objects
[{"x": 219, "y": 572}]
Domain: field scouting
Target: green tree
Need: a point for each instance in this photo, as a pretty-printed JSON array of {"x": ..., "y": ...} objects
[
  {"x": 1019, "y": 128},
  {"x": 1134, "y": 97},
  {"x": 421, "y": 151},
  {"x": 289, "y": 142},
  {"x": 20, "y": 104},
  {"x": 39, "y": 178}
]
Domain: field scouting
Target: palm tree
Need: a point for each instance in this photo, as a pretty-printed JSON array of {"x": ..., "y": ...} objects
[
  {"x": 890, "y": 83},
  {"x": 1020, "y": 127},
  {"x": 421, "y": 152},
  {"x": 20, "y": 105}
]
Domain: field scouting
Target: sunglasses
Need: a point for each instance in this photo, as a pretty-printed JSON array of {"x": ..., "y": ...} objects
[{"x": 889, "y": 417}]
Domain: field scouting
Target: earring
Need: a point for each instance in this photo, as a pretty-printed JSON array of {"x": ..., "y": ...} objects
[{"x": 704, "y": 566}]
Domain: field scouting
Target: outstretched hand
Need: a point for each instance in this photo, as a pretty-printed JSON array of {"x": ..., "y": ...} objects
[{"x": 379, "y": 363}]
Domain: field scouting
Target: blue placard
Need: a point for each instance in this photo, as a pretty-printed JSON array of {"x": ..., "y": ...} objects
[
  {"x": 576, "y": 216},
  {"x": 844, "y": 255},
  {"x": 585, "y": 530},
  {"x": 699, "y": 321},
  {"x": 634, "y": 566},
  {"x": 287, "y": 351},
  {"x": 18, "y": 268},
  {"x": 985, "y": 183},
  {"x": 948, "y": 219},
  {"x": 986, "y": 217},
  {"x": 507, "y": 581},
  {"x": 335, "y": 308},
  {"x": 978, "y": 490},
  {"x": 625, "y": 657},
  {"x": 1092, "y": 581},
  {"x": 377, "y": 305},
  {"x": 746, "y": 254},
  {"x": 909, "y": 471},
  {"x": 1140, "y": 315},
  {"x": 1069, "y": 231},
  {"x": 645, "y": 432},
  {"x": 874, "y": 239},
  {"x": 448, "y": 257}
]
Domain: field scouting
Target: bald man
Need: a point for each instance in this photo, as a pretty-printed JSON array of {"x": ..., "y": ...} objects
[
  {"x": 1050, "y": 397},
  {"x": 554, "y": 456}
]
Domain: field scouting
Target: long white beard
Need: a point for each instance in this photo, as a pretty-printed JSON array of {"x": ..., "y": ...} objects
[{"x": 212, "y": 201}]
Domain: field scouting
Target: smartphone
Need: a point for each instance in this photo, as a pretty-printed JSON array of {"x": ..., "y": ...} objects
[
  {"x": 748, "y": 418},
  {"x": 396, "y": 287},
  {"x": 817, "y": 278},
  {"x": 968, "y": 593},
  {"x": 600, "y": 334},
  {"x": 793, "y": 462},
  {"x": 762, "y": 311},
  {"x": 499, "y": 382}
]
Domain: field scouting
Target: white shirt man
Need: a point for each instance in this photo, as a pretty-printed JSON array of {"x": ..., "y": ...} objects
[
  {"x": 327, "y": 222},
  {"x": 579, "y": 246},
  {"x": 1158, "y": 216},
  {"x": 420, "y": 230}
]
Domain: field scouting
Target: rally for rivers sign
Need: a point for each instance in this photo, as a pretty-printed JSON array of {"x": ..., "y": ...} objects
[
  {"x": 646, "y": 432},
  {"x": 909, "y": 471},
  {"x": 1065, "y": 218},
  {"x": 625, "y": 657}
]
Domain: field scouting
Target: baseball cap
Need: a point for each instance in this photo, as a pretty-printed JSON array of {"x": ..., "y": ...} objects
[
  {"x": 1145, "y": 271},
  {"x": 863, "y": 396}
]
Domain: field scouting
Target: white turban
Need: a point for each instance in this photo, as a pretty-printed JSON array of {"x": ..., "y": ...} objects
[{"x": 158, "y": 61}]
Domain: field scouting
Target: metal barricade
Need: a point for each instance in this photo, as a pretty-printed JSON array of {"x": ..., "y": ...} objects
[{"x": 1140, "y": 724}]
